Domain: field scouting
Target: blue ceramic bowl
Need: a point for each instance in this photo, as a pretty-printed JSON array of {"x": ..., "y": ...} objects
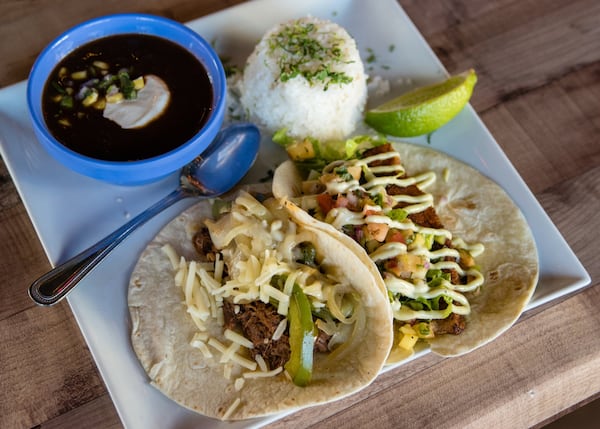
[{"x": 129, "y": 172}]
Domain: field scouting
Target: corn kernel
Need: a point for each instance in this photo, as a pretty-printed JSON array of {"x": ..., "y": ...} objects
[
  {"x": 64, "y": 122},
  {"x": 79, "y": 75},
  {"x": 90, "y": 99},
  {"x": 139, "y": 83},
  {"x": 101, "y": 65},
  {"x": 100, "y": 104},
  {"x": 114, "y": 98}
]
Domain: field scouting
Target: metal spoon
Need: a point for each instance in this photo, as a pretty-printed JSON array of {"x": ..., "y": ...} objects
[{"x": 214, "y": 172}]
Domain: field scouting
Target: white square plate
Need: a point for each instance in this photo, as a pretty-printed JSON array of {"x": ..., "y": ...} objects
[{"x": 70, "y": 212}]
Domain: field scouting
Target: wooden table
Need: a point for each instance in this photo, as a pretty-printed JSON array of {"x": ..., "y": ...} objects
[{"x": 538, "y": 93}]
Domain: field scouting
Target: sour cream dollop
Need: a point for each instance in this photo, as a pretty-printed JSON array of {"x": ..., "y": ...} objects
[{"x": 151, "y": 101}]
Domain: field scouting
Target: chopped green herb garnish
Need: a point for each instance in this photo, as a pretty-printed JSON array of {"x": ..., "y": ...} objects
[
  {"x": 127, "y": 87},
  {"x": 371, "y": 58},
  {"x": 230, "y": 69},
  {"x": 107, "y": 82},
  {"x": 378, "y": 199},
  {"x": 66, "y": 101},
  {"x": 301, "y": 54},
  {"x": 58, "y": 88},
  {"x": 343, "y": 173}
]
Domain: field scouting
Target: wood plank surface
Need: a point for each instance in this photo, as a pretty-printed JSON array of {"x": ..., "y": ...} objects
[{"x": 539, "y": 95}]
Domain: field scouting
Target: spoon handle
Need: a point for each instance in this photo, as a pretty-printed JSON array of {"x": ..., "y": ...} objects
[{"x": 56, "y": 283}]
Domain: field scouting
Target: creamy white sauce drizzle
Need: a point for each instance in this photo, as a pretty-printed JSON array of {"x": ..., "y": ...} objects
[{"x": 377, "y": 179}]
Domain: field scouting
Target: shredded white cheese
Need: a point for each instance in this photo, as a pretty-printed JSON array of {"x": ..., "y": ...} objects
[
  {"x": 229, "y": 352},
  {"x": 261, "y": 374},
  {"x": 257, "y": 246},
  {"x": 239, "y": 383},
  {"x": 261, "y": 362},
  {"x": 232, "y": 408},
  {"x": 227, "y": 369},
  {"x": 172, "y": 255},
  {"x": 280, "y": 329},
  {"x": 239, "y": 339},
  {"x": 201, "y": 345}
]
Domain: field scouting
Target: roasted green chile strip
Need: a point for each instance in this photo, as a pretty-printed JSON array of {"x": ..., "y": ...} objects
[{"x": 302, "y": 338}]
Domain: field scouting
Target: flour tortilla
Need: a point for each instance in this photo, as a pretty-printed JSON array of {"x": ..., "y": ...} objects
[
  {"x": 162, "y": 330},
  {"x": 476, "y": 209}
]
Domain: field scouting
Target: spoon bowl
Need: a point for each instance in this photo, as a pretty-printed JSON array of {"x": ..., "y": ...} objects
[
  {"x": 217, "y": 170},
  {"x": 222, "y": 165}
]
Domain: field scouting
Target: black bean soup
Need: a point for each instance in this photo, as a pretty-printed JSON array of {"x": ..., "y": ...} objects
[{"x": 109, "y": 67}]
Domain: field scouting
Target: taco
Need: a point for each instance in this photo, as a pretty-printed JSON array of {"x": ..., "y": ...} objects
[
  {"x": 239, "y": 310},
  {"x": 457, "y": 256}
]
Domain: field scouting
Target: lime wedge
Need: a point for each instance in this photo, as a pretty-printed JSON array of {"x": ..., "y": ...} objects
[{"x": 423, "y": 109}]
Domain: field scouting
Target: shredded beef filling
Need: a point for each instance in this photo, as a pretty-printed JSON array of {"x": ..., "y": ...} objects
[
  {"x": 322, "y": 342},
  {"x": 204, "y": 245},
  {"x": 258, "y": 322}
]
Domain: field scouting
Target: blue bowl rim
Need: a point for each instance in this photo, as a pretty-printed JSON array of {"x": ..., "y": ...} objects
[{"x": 107, "y": 168}]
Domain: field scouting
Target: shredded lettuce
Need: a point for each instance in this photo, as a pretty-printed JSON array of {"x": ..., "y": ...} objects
[
  {"x": 431, "y": 304},
  {"x": 328, "y": 151},
  {"x": 282, "y": 138},
  {"x": 435, "y": 277}
]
